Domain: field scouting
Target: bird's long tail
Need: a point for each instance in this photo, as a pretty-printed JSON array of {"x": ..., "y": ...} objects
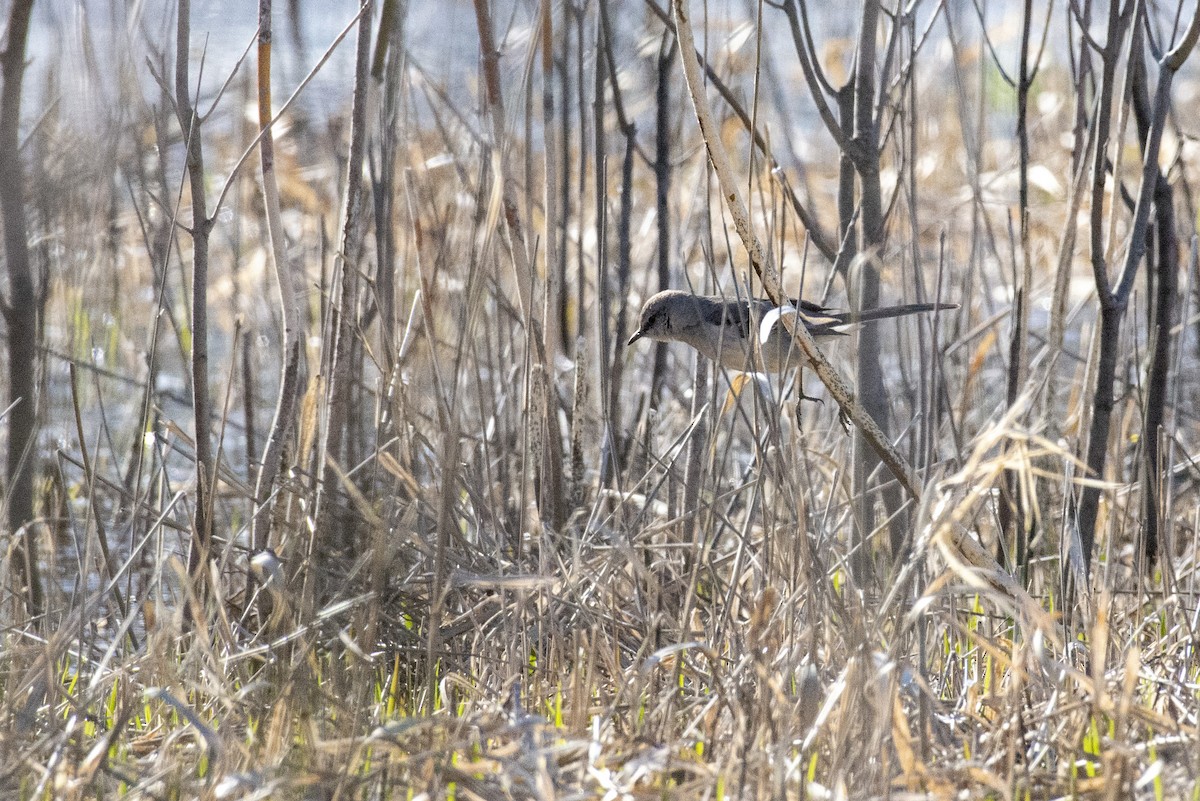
[{"x": 846, "y": 318}]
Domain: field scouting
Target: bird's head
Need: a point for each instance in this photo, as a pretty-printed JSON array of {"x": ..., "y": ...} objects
[{"x": 664, "y": 316}]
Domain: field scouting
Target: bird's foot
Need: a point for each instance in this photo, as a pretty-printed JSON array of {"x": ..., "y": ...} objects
[{"x": 800, "y": 405}]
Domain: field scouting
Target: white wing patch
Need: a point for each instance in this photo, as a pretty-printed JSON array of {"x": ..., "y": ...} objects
[{"x": 770, "y": 319}]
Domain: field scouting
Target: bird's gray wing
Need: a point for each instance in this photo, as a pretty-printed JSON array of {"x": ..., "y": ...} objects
[
  {"x": 732, "y": 314},
  {"x": 811, "y": 309},
  {"x": 819, "y": 319}
]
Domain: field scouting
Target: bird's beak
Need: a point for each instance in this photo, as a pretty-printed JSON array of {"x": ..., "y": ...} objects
[{"x": 636, "y": 336}]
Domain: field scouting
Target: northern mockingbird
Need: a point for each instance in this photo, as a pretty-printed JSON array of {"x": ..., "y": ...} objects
[{"x": 727, "y": 331}]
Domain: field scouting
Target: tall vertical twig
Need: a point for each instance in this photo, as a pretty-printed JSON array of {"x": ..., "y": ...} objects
[
  {"x": 1012, "y": 506},
  {"x": 662, "y": 192},
  {"x": 1164, "y": 282},
  {"x": 288, "y": 299},
  {"x": 549, "y": 454},
  {"x": 20, "y": 309},
  {"x": 554, "y": 331},
  {"x": 342, "y": 321},
  {"x": 190, "y": 123}
]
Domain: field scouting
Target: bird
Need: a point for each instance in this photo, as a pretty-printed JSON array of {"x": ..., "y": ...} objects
[{"x": 726, "y": 330}]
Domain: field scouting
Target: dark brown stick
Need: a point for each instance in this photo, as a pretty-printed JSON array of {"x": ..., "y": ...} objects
[
  {"x": 20, "y": 314},
  {"x": 1114, "y": 298},
  {"x": 190, "y": 123}
]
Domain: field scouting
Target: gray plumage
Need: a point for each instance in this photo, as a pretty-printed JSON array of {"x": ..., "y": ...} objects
[{"x": 726, "y": 331}]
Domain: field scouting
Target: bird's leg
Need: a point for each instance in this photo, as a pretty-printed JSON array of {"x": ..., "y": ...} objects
[
  {"x": 800, "y": 404},
  {"x": 843, "y": 418},
  {"x": 801, "y": 397}
]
